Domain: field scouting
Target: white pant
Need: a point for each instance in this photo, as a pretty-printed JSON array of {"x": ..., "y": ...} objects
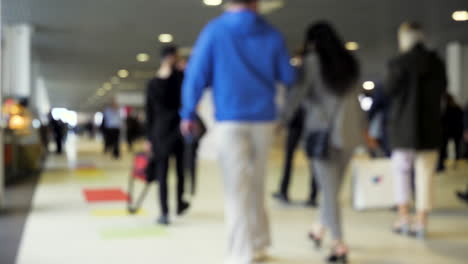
[
  {"x": 243, "y": 154},
  {"x": 424, "y": 164}
]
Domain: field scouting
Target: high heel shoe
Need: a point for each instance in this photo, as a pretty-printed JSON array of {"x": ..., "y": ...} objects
[{"x": 317, "y": 240}]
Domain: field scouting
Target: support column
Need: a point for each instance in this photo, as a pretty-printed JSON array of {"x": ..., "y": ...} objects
[
  {"x": 17, "y": 60},
  {"x": 457, "y": 65},
  {"x": 2, "y": 165}
]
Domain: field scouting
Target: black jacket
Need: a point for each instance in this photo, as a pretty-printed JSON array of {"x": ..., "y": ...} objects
[
  {"x": 163, "y": 101},
  {"x": 416, "y": 84},
  {"x": 465, "y": 118}
]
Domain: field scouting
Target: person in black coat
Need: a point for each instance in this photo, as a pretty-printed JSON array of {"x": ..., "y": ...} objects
[
  {"x": 163, "y": 100},
  {"x": 416, "y": 84},
  {"x": 452, "y": 121},
  {"x": 463, "y": 196}
]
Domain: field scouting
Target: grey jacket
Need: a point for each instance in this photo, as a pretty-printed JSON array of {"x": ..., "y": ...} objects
[{"x": 325, "y": 110}]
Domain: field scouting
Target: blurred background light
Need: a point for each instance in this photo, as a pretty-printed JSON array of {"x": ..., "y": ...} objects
[
  {"x": 115, "y": 80},
  {"x": 107, "y": 86},
  {"x": 369, "y": 85},
  {"x": 123, "y": 73},
  {"x": 143, "y": 57},
  {"x": 212, "y": 2},
  {"x": 352, "y": 46},
  {"x": 461, "y": 15},
  {"x": 166, "y": 38}
]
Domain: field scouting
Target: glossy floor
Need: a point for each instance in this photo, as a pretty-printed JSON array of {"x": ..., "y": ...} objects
[{"x": 64, "y": 228}]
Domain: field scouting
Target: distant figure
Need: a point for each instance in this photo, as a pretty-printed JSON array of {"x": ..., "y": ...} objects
[
  {"x": 112, "y": 127},
  {"x": 295, "y": 128},
  {"x": 132, "y": 128},
  {"x": 163, "y": 100},
  {"x": 378, "y": 116},
  {"x": 416, "y": 85},
  {"x": 241, "y": 57},
  {"x": 465, "y": 132},
  {"x": 463, "y": 195},
  {"x": 89, "y": 127},
  {"x": 334, "y": 125},
  {"x": 452, "y": 122},
  {"x": 57, "y": 129}
]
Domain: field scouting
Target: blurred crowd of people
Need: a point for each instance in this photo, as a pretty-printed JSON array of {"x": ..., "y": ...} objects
[{"x": 241, "y": 58}]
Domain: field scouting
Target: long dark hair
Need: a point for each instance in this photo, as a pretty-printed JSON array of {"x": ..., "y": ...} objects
[{"x": 339, "y": 69}]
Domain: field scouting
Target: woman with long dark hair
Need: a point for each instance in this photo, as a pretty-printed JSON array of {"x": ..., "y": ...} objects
[{"x": 334, "y": 123}]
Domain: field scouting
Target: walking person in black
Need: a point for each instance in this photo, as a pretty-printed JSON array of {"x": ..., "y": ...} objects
[
  {"x": 452, "y": 122},
  {"x": 295, "y": 131},
  {"x": 463, "y": 195},
  {"x": 56, "y": 127},
  {"x": 112, "y": 124},
  {"x": 163, "y": 101}
]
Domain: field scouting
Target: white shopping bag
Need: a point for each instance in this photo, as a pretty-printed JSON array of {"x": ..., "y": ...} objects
[{"x": 372, "y": 184}]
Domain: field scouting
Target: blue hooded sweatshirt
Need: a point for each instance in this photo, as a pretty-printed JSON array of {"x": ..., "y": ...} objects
[{"x": 241, "y": 57}]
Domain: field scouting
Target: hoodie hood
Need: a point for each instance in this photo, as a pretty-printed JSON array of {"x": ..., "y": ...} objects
[{"x": 244, "y": 22}]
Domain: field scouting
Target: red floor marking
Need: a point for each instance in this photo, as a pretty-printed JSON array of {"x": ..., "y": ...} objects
[{"x": 105, "y": 195}]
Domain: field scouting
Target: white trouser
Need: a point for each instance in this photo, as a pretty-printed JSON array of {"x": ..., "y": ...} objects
[
  {"x": 424, "y": 164},
  {"x": 243, "y": 154}
]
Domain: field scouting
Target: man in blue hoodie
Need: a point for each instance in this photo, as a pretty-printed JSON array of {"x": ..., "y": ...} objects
[{"x": 241, "y": 57}]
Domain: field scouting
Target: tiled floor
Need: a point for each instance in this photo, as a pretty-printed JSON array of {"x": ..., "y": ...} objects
[{"x": 64, "y": 228}]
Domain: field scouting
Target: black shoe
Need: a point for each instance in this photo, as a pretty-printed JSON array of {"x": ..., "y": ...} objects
[
  {"x": 281, "y": 197},
  {"x": 163, "y": 220},
  {"x": 463, "y": 196},
  {"x": 317, "y": 241},
  {"x": 311, "y": 203},
  {"x": 182, "y": 208},
  {"x": 334, "y": 258}
]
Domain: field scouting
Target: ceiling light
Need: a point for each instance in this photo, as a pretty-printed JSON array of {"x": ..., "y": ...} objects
[
  {"x": 461, "y": 15},
  {"x": 143, "y": 57},
  {"x": 123, "y": 73},
  {"x": 212, "y": 2},
  {"x": 267, "y": 7},
  {"x": 166, "y": 38},
  {"x": 107, "y": 86},
  {"x": 368, "y": 85},
  {"x": 352, "y": 46},
  {"x": 115, "y": 80}
]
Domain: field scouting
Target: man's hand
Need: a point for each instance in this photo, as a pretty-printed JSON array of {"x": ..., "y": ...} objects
[{"x": 188, "y": 127}]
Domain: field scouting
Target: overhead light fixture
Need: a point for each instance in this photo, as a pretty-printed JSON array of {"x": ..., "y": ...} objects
[
  {"x": 353, "y": 46},
  {"x": 101, "y": 92},
  {"x": 107, "y": 86},
  {"x": 461, "y": 15},
  {"x": 166, "y": 38},
  {"x": 115, "y": 80},
  {"x": 212, "y": 2},
  {"x": 268, "y": 7},
  {"x": 369, "y": 85},
  {"x": 123, "y": 73},
  {"x": 143, "y": 57}
]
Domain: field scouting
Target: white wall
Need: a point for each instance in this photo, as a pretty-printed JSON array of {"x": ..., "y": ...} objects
[{"x": 457, "y": 71}]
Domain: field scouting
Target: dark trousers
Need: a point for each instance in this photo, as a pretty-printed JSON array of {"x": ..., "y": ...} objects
[
  {"x": 113, "y": 137},
  {"x": 59, "y": 142},
  {"x": 292, "y": 142},
  {"x": 162, "y": 168},
  {"x": 443, "y": 151}
]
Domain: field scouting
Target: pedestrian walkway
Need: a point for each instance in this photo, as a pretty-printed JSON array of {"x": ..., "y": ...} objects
[{"x": 79, "y": 217}]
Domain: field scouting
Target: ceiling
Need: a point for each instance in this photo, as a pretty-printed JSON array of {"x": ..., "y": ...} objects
[{"x": 79, "y": 45}]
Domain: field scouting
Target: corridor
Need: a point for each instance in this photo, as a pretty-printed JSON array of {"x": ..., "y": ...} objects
[{"x": 64, "y": 227}]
